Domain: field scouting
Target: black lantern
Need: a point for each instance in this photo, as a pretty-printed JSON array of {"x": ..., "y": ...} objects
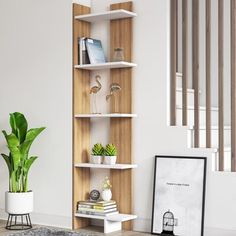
[{"x": 169, "y": 222}]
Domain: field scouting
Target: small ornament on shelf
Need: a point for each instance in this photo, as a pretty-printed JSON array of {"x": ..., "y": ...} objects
[
  {"x": 106, "y": 190},
  {"x": 114, "y": 88},
  {"x": 93, "y": 91},
  {"x": 94, "y": 195},
  {"x": 118, "y": 54}
]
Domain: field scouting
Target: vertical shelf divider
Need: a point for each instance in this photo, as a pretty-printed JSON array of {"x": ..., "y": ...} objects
[
  {"x": 121, "y": 128},
  {"x": 81, "y": 127}
]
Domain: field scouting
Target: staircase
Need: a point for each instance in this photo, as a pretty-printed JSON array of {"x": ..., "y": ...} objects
[{"x": 202, "y": 115}]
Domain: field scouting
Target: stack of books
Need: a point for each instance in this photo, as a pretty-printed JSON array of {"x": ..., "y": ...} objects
[
  {"x": 100, "y": 208},
  {"x": 90, "y": 51}
]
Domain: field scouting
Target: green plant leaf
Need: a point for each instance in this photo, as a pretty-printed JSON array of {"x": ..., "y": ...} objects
[
  {"x": 33, "y": 133},
  {"x": 7, "y": 160},
  {"x": 28, "y": 164},
  {"x": 19, "y": 125},
  {"x": 13, "y": 145}
]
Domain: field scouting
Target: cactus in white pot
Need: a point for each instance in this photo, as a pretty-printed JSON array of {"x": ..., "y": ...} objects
[
  {"x": 97, "y": 154},
  {"x": 110, "y": 154}
]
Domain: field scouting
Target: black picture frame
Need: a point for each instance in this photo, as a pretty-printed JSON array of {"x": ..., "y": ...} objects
[{"x": 204, "y": 171}]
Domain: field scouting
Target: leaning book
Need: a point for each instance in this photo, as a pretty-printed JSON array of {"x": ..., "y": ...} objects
[{"x": 95, "y": 51}]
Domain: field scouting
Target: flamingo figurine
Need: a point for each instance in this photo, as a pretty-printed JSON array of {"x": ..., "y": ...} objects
[
  {"x": 114, "y": 87},
  {"x": 93, "y": 91}
]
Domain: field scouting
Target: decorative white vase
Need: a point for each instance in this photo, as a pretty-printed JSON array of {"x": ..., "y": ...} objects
[
  {"x": 106, "y": 195},
  {"x": 109, "y": 160},
  {"x": 19, "y": 203},
  {"x": 96, "y": 159}
]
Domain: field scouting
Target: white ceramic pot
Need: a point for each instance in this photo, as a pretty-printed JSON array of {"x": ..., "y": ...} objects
[
  {"x": 96, "y": 159},
  {"x": 19, "y": 203},
  {"x": 106, "y": 195},
  {"x": 109, "y": 160}
]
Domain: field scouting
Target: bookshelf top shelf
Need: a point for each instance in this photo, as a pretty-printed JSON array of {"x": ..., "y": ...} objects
[
  {"x": 109, "y": 15},
  {"x": 107, "y": 65}
]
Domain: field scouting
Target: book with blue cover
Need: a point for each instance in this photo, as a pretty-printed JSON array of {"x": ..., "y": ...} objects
[{"x": 95, "y": 51}]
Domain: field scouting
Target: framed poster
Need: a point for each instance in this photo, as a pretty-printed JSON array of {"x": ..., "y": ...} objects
[{"x": 179, "y": 196}]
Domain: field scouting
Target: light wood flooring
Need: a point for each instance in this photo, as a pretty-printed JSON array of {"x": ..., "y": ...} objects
[{"x": 94, "y": 230}]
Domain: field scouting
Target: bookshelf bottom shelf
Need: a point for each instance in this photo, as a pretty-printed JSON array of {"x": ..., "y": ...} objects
[{"x": 112, "y": 223}]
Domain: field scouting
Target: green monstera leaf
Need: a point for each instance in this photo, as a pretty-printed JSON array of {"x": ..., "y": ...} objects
[
  {"x": 19, "y": 125},
  {"x": 19, "y": 143}
]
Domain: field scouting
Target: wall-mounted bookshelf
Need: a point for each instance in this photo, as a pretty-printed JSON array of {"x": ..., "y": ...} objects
[{"x": 120, "y": 17}]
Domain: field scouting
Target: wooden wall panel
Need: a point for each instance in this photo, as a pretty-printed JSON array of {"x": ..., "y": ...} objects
[
  {"x": 81, "y": 127},
  {"x": 185, "y": 61},
  {"x": 221, "y": 82},
  {"x": 173, "y": 60},
  {"x": 121, "y": 129},
  {"x": 233, "y": 85},
  {"x": 208, "y": 73},
  {"x": 195, "y": 72}
]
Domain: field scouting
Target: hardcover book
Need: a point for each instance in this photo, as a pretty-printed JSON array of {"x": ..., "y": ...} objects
[
  {"x": 95, "y": 51},
  {"x": 83, "y": 54}
]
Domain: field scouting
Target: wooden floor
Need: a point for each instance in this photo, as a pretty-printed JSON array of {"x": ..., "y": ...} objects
[{"x": 94, "y": 231}]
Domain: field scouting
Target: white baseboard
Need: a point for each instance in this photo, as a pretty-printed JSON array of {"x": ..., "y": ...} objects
[
  {"x": 45, "y": 219},
  {"x": 142, "y": 225}
]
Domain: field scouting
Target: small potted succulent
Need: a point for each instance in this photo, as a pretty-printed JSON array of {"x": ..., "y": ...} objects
[
  {"x": 110, "y": 154},
  {"x": 106, "y": 190},
  {"x": 97, "y": 154},
  {"x": 19, "y": 200}
]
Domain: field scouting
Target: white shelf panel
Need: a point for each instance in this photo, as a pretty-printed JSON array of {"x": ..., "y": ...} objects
[
  {"x": 109, "y": 15},
  {"x": 90, "y": 216},
  {"x": 115, "y": 218},
  {"x": 106, "y": 65},
  {"x": 111, "y": 115},
  {"x": 103, "y": 166},
  {"x": 121, "y": 217}
]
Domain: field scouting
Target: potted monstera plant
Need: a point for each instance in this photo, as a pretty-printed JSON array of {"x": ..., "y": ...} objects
[{"x": 19, "y": 200}]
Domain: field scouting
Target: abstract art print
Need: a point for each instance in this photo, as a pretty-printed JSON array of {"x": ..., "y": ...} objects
[{"x": 179, "y": 196}]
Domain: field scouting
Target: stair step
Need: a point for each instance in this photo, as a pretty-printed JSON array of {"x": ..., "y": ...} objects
[
  {"x": 201, "y": 108},
  {"x": 188, "y": 90},
  {"x": 214, "y": 127}
]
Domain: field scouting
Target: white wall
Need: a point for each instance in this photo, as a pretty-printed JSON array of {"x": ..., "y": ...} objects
[{"x": 36, "y": 79}]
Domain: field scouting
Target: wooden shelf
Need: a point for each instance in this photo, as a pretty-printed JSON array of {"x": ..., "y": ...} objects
[
  {"x": 115, "y": 218},
  {"x": 109, "y": 15},
  {"x": 107, "y": 65},
  {"x": 103, "y": 166},
  {"x": 111, "y": 115}
]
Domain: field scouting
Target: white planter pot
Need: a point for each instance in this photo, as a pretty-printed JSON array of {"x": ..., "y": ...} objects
[
  {"x": 106, "y": 195},
  {"x": 96, "y": 159},
  {"x": 109, "y": 160},
  {"x": 19, "y": 203}
]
